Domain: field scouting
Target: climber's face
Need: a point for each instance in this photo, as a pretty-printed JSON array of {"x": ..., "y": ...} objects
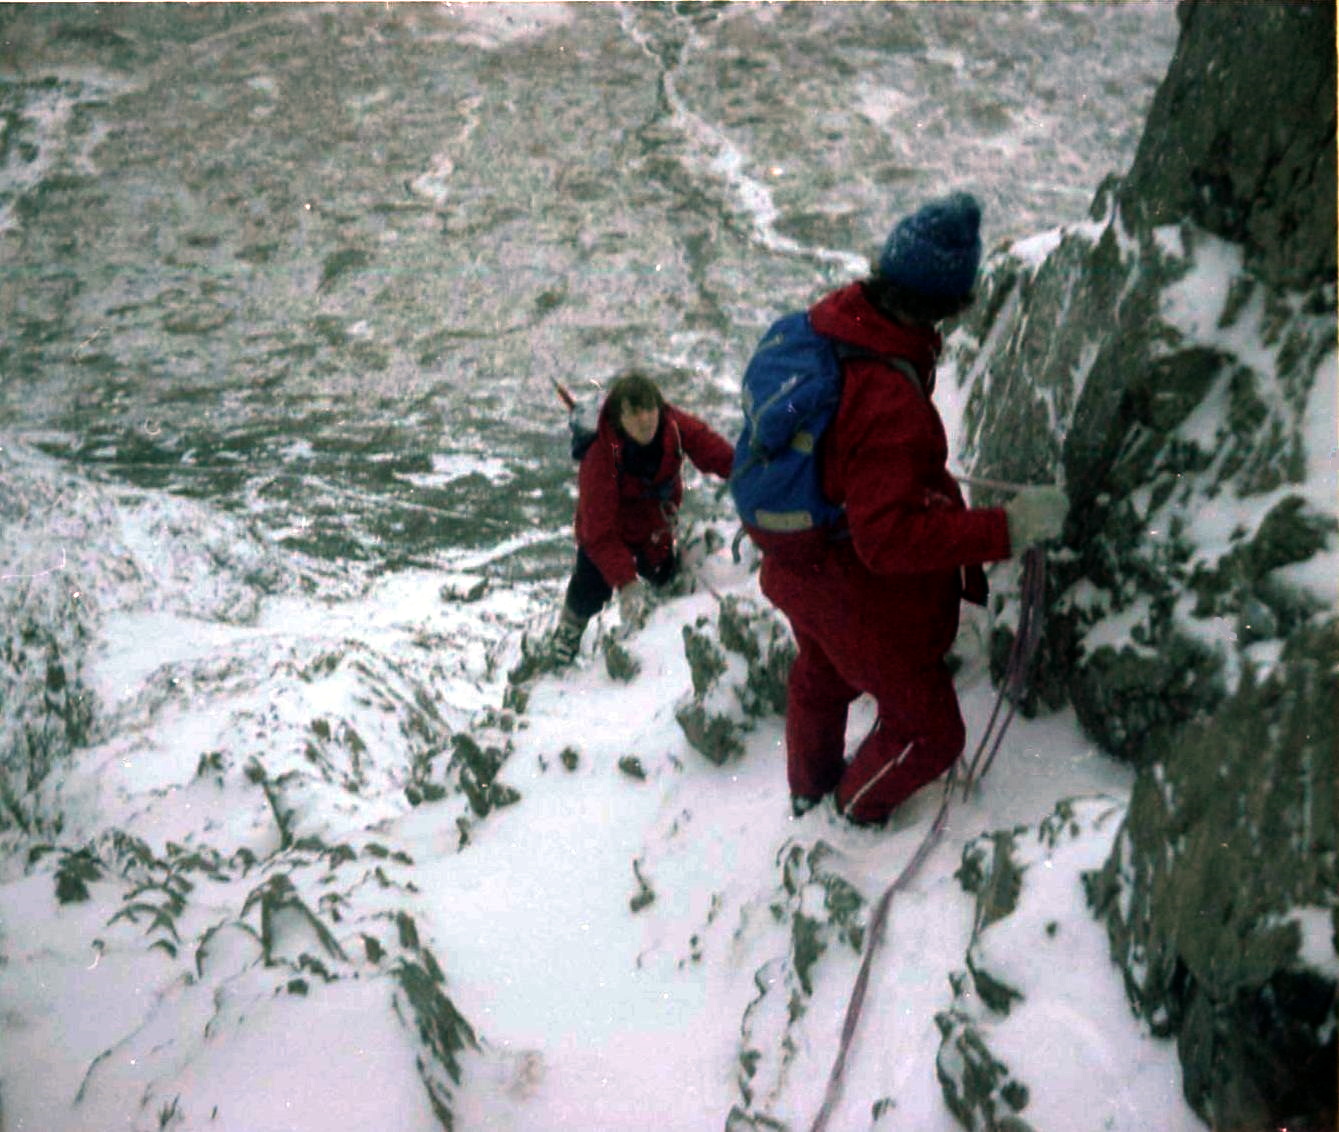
[{"x": 640, "y": 424}]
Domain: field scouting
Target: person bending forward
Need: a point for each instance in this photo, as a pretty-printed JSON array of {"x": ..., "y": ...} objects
[
  {"x": 629, "y": 490},
  {"x": 874, "y": 606}
]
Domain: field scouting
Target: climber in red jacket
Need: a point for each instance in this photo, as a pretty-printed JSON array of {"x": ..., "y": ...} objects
[
  {"x": 874, "y": 608},
  {"x": 629, "y": 490}
]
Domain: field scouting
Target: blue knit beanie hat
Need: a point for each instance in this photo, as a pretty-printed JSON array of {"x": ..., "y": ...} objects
[{"x": 936, "y": 250}]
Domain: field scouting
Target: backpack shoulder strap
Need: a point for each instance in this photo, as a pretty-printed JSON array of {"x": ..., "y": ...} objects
[
  {"x": 845, "y": 350},
  {"x": 672, "y": 423}
]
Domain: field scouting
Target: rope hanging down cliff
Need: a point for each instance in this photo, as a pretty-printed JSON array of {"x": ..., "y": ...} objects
[{"x": 1033, "y": 589}]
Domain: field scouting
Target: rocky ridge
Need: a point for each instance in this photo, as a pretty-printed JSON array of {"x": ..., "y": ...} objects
[{"x": 1190, "y": 616}]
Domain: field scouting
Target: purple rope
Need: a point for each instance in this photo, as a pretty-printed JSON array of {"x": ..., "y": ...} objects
[
  {"x": 878, "y": 926},
  {"x": 1033, "y": 589},
  {"x": 1024, "y": 649}
]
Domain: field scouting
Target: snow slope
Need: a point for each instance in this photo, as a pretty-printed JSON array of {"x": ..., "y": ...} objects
[{"x": 263, "y": 882}]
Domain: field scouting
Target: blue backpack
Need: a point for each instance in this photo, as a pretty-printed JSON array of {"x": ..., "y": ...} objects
[{"x": 791, "y": 390}]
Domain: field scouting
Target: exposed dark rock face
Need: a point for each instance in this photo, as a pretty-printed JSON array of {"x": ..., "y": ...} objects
[
  {"x": 1218, "y": 900},
  {"x": 1173, "y": 362},
  {"x": 1089, "y": 362},
  {"x": 736, "y": 683},
  {"x": 1240, "y": 138}
]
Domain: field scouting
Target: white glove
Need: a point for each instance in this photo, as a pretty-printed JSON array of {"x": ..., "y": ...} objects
[
  {"x": 633, "y": 604},
  {"x": 1036, "y": 514}
]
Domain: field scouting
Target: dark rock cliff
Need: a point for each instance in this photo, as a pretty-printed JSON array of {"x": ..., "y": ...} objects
[
  {"x": 1173, "y": 363},
  {"x": 1240, "y": 138}
]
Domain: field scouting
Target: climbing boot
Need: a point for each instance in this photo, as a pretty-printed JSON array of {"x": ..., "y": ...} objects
[
  {"x": 566, "y": 640},
  {"x": 556, "y": 652}
]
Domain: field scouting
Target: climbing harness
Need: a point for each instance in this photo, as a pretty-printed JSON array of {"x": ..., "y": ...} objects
[{"x": 1032, "y": 591}]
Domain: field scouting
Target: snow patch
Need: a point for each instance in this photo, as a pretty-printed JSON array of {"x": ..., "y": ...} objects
[
  {"x": 497, "y": 25},
  {"x": 1035, "y": 250},
  {"x": 1318, "y": 949}
]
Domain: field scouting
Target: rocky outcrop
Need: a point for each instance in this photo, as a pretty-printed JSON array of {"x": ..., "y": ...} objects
[
  {"x": 1025, "y": 938},
  {"x": 738, "y": 661},
  {"x": 1220, "y": 900},
  {"x": 1180, "y": 429},
  {"x": 71, "y": 554},
  {"x": 819, "y": 910},
  {"x": 1173, "y": 363},
  {"x": 1240, "y": 138}
]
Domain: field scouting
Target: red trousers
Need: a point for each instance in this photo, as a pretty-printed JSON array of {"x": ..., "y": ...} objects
[{"x": 918, "y": 734}]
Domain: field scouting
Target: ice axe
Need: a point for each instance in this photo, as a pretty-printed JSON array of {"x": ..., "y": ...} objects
[
  {"x": 564, "y": 394},
  {"x": 583, "y": 429}
]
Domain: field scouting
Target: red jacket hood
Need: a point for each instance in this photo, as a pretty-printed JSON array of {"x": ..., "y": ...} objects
[{"x": 849, "y": 316}]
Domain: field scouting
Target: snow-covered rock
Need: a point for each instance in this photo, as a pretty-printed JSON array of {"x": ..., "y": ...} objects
[{"x": 1173, "y": 362}]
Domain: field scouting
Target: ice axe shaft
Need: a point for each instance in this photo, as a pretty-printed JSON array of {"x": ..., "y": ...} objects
[{"x": 564, "y": 394}]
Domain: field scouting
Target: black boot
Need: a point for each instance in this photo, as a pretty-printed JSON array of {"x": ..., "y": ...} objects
[
  {"x": 530, "y": 664},
  {"x": 557, "y": 651}
]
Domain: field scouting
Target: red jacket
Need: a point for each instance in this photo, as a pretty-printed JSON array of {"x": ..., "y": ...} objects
[
  {"x": 885, "y": 458},
  {"x": 619, "y": 515}
]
